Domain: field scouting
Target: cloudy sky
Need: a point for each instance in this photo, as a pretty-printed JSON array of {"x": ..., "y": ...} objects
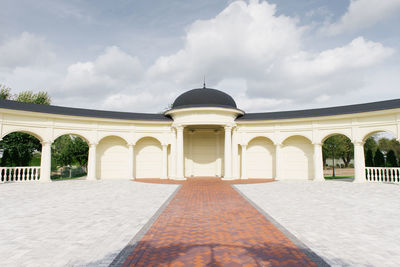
[{"x": 138, "y": 55}]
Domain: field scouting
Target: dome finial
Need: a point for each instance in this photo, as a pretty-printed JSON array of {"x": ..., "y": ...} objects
[{"x": 204, "y": 82}]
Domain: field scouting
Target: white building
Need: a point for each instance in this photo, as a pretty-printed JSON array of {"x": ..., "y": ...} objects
[{"x": 204, "y": 134}]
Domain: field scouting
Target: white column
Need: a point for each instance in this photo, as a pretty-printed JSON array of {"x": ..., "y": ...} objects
[
  {"x": 278, "y": 167},
  {"x": 173, "y": 155},
  {"x": 235, "y": 163},
  {"x": 45, "y": 162},
  {"x": 179, "y": 153},
  {"x": 228, "y": 153},
  {"x": 131, "y": 161},
  {"x": 244, "y": 162},
  {"x": 164, "y": 174},
  {"x": 359, "y": 162},
  {"x": 92, "y": 162},
  {"x": 318, "y": 164},
  {"x": 218, "y": 165}
]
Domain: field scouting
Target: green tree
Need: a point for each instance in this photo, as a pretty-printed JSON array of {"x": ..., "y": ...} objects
[
  {"x": 391, "y": 160},
  {"x": 379, "y": 160},
  {"x": 61, "y": 151},
  {"x": 80, "y": 151},
  {"x": 344, "y": 148},
  {"x": 369, "y": 161},
  {"x": 370, "y": 144},
  {"x": 35, "y": 98},
  {"x": 5, "y": 92},
  {"x": 18, "y": 149},
  {"x": 384, "y": 145},
  {"x": 68, "y": 150}
]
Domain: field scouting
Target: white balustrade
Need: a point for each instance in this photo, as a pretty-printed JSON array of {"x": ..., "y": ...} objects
[
  {"x": 381, "y": 174},
  {"x": 19, "y": 174}
]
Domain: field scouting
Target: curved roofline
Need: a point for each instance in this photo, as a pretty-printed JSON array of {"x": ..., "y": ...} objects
[
  {"x": 320, "y": 112},
  {"x": 205, "y": 97},
  {"x": 294, "y": 114},
  {"x": 204, "y": 106},
  {"x": 59, "y": 110}
]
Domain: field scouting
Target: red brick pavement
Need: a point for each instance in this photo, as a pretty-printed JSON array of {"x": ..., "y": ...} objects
[{"x": 209, "y": 224}]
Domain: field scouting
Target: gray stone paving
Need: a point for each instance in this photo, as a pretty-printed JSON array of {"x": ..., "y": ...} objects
[
  {"x": 73, "y": 223},
  {"x": 347, "y": 224}
]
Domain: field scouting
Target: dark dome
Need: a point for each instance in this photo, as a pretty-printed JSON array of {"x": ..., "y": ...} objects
[{"x": 204, "y": 97}]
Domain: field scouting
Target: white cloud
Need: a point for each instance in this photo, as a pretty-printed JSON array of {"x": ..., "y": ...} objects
[
  {"x": 248, "y": 51},
  {"x": 25, "y": 50},
  {"x": 362, "y": 14},
  {"x": 112, "y": 71},
  {"x": 242, "y": 38},
  {"x": 248, "y": 42}
]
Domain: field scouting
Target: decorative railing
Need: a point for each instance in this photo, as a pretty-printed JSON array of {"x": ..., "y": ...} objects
[
  {"x": 380, "y": 174},
  {"x": 19, "y": 174}
]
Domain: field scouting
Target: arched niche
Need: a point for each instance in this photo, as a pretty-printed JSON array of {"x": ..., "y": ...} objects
[
  {"x": 297, "y": 158},
  {"x": 112, "y": 158},
  {"x": 260, "y": 158},
  {"x": 148, "y": 157}
]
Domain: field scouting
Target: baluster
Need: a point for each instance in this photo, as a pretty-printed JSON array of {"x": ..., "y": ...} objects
[
  {"x": 1, "y": 175},
  {"x": 391, "y": 175},
  {"x": 37, "y": 173}
]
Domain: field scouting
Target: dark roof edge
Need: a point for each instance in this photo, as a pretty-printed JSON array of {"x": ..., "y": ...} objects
[
  {"x": 320, "y": 112},
  {"x": 204, "y": 106},
  {"x": 59, "y": 110}
]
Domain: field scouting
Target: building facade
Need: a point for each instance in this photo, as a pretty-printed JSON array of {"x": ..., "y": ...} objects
[{"x": 203, "y": 134}]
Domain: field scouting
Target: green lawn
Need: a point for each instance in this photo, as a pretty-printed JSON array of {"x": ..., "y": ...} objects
[{"x": 338, "y": 177}]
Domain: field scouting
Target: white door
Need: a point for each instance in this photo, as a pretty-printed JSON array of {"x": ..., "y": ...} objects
[
  {"x": 260, "y": 158},
  {"x": 148, "y": 158}
]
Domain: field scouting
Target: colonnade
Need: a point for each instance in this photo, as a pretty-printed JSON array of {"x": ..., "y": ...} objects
[
  {"x": 230, "y": 149},
  {"x": 45, "y": 162}
]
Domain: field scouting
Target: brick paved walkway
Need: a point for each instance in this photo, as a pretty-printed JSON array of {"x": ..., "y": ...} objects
[{"x": 208, "y": 223}]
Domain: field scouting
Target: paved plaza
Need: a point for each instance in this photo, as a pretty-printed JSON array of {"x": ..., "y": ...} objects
[
  {"x": 347, "y": 224},
  {"x": 95, "y": 223},
  {"x": 73, "y": 223}
]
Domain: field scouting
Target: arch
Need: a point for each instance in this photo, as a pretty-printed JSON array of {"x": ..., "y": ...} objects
[
  {"x": 76, "y": 165},
  {"x": 297, "y": 158},
  {"x": 113, "y": 135},
  {"x": 112, "y": 158},
  {"x": 261, "y": 137},
  {"x": 369, "y": 134},
  {"x": 36, "y": 135},
  {"x": 148, "y": 158},
  {"x": 260, "y": 158},
  {"x": 296, "y": 135},
  {"x": 71, "y": 133},
  {"x": 333, "y": 134},
  {"x": 149, "y": 136},
  {"x": 21, "y": 154}
]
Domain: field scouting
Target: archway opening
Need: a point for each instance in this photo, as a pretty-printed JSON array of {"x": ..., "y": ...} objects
[
  {"x": 382, "y": 157},
  {"x": 69, "y": 157},
  {"x": 338, "y": 157},
  {"x": 204, "y": 151},
  {"x": 20, "y": 156}
]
